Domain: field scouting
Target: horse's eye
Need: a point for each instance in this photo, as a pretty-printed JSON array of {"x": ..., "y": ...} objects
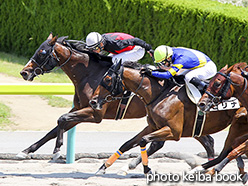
[
  {"x": 107, "y": 80},
  {"x": 217, "y": 84}
]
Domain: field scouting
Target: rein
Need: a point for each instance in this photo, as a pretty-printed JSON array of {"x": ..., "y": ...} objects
[
  {"x": 113, "y": 98},
  {"x": 231, "y": 82},
  {"x": 68, "y": 59}
]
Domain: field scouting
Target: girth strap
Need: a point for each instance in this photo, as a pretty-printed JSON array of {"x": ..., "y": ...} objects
[{"x": 123, "y": 105}]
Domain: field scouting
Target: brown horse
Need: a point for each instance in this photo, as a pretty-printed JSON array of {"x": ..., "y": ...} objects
[
  {"x": 85, "y": 69},
  {"x": 227, "y": 83},
  {"x": 171, "y": 114}
]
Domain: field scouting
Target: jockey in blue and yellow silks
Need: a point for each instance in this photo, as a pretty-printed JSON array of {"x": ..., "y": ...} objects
[{"x": 198, "y": 66}]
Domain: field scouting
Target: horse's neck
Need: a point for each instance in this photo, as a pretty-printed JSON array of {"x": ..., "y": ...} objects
[
  {"x": 240, "y": 89},
  {"x": 80, "y": 68},
  {"x": 150, "y": 88},
  {"x": 241, "y": 92}
]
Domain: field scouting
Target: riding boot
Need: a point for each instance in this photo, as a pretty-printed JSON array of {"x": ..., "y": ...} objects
[{"x": 200, "y": 85}]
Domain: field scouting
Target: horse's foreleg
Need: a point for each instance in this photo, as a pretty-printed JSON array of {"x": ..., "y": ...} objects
[
  {"x": 65, "y": 122},
  {"x": 235, "y": 137},
  {"x": 154, "y": 147},
  {"x": 125, "y": 147},
  {"x": 208, "y": 143},
  {"x": 34, "y": 147},
  {"x": 69, "y": 120},
  {"x": 234, "y": 154}
]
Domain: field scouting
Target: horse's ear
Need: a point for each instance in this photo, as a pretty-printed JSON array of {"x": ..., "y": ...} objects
[
  {"x": 118, "y": 65},
  {"x": 50, "y": 36},
  {"x": 53, "y": 40},
  {"x": 224, "y": 68}
]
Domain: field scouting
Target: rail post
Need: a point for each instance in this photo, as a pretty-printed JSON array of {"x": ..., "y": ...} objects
[{"x": 45, "y": 89}]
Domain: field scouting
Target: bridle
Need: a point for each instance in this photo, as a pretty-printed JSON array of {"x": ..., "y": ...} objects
[
  {"x": 215, "y": 100},
  {"x": 50, "y": 58},
  {"x": 117, "y": 87}
]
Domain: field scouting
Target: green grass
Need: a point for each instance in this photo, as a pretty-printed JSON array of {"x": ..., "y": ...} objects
[
  {"x": 12, "y": 65},
  {"x": 56, "y": 101},
  {"x": 5, "y": 114}
]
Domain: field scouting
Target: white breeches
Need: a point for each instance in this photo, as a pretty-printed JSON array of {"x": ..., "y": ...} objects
[
  {"x": 132, "y": 55},
  {"x": 202, "y": 73}
]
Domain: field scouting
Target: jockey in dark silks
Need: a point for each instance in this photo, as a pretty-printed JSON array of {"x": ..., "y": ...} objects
[{"x": 119, "y": 45}]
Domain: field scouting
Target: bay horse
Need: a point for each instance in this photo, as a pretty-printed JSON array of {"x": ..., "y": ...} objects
[
  {"x": 227, "y": 83},
  {"x": 85, "y": 69},
  {"x": 169, "y": 109}
]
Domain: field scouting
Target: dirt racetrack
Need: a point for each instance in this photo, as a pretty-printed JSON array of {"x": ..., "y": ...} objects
[
  {"x": 42, "y": 173},
  {"x": 34, "y": 114}
]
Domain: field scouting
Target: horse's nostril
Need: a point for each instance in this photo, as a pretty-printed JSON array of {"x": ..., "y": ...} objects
[
  {"x": 201, "y": 105},
  {"x": 23, "y": 73},
  {"x": 92, "y": 103}
]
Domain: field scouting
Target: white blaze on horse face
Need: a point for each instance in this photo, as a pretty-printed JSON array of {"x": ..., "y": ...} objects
[{"x": 30, "y": 61}]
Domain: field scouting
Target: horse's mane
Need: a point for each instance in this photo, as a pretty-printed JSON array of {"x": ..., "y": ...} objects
[
  {"x": 133, "y": 65},
  {"x": 80, "y": 47}
]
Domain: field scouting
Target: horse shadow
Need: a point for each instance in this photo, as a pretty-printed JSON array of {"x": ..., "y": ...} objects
[{"x": 74, "y": 175}]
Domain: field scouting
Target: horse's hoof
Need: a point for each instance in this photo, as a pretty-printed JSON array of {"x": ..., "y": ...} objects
[
  {"x": 211, "y": 172},
  {"x": 100, "y": 172},
  {"x": 150, "y": 172},
  {"x": 56, "y": 156},
  {"x": 197, "y": 169},
  {"x": 244, "y": 178},
  {"x": 22, "y": 155},
  {"x": 133, "y": 164},
  {"x": 123, "y": 171}
]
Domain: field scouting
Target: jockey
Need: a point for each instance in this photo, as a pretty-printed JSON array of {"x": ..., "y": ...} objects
[
  {"x": 119, "y": 45},
  {"x": 198, "y": 65}
]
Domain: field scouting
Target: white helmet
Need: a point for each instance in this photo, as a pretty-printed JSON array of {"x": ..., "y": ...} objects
[{"x": 93, "y": 39}]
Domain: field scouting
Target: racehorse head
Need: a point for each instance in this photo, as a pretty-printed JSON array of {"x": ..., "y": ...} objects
[
  {"x": 110, "y": 86},
  {"x": 43, "y": 60},
  {"x": 222, "y": 86}
]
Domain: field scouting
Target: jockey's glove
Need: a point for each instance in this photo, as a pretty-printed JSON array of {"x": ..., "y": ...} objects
[
  {"x": 151, "y": 51},
  {"x": 146, "y": 71}
]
